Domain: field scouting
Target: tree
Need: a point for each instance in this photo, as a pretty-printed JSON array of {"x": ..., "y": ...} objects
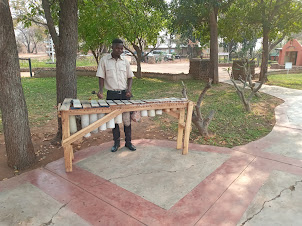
[
  {"x": 61, "y": 19},
  {"x": 66, "y": 44},
  {"x": 139, "y": 22},
  {"x": 199, "y": 121},
  {"x": 96, "y": 29},
  {"x": 270, "y": 19},
  {"x": 19, "y": 147},
  {"x": 201, "y": 17},
  {"x": 246, "y": 83},
  {"x": 30, "y": 37}
]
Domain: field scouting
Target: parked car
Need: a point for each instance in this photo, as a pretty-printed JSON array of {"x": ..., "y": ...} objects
[
  {"x": 126, "y": 53},
  {"x": 168, "y": 57}
]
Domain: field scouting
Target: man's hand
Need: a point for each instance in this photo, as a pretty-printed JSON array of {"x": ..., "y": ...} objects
[
  {"x": 128, "y": 94},
  {"x": 100, "y": 95}
]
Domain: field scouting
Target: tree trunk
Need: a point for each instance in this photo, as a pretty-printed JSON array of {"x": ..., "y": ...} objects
[
  {"x": 214, "y": 46},
  {"x": 138, "y": 61},
  {"x": 95, "y": 55},
  {"x": 19, "y": 147},
  {"x": 264, "y": 55},
  {"x": 66, "y": 54}
]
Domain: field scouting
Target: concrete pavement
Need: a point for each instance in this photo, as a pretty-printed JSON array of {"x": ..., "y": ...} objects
[{"x": 259, "y": 183}]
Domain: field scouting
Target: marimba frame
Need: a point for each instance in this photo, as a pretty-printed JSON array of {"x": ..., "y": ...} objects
[{"x": 184, "y": 122}]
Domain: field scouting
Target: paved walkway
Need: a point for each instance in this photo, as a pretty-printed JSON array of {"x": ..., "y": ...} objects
[{"x": 255, "y": 184}]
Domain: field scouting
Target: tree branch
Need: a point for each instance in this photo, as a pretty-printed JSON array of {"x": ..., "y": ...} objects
[
  {"x": 50, "y": 23},
  {"x": 273, "y": 45},
  {"x": 208, "y": 86}
]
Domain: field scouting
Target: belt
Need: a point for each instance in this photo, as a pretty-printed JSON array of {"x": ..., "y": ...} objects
[{"x": 117, "y": 91}]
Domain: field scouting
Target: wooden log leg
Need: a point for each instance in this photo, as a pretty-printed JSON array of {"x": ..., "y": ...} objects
[
  {"x": 68, "y": 157},
  {"x": 181, "y": 121},
  {"x": 188, "y": 128},
  {"x": 68, "y": 150},
  {"x": 71, "y": 153}
]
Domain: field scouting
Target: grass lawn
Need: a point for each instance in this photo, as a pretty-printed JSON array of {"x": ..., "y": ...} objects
[
  {"x": 293, "y": 81},
  {"x": 231, "y": 126},
  {"x": 35, "y": 63}
]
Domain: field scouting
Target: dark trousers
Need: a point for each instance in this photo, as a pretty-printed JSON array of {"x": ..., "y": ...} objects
[{"x": 119, "y": 95}]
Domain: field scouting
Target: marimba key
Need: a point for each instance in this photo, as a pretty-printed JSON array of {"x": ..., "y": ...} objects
[
  {"x": 94, "y": 104},
  {"x": 118, "y": 102},
  {"x": 126, "y": 102},
  {"x": 103, "y": 103},
  {"x": 110, "y": 102},
  {"x": 76, "y": 103}
]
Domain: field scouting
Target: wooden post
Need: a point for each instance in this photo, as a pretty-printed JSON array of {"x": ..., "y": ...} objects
[
  {"x": 188, "y": 128},
  {"x": 68, "y": 152},
  {"x": 181, "y": 121}
]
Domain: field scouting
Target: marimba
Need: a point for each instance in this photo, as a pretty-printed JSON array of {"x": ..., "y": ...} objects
[{"x": 101, "y": 114}]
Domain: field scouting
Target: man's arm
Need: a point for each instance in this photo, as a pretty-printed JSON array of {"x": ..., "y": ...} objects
[
  {"x": 101, "y": 86},
  {"x": 101, "y": 73},
  {"x": 128, "y": 92}
]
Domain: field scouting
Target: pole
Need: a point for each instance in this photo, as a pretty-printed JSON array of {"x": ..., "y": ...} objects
[
  {"x": 30, "y": 71},
  {"x": 52, "y": 51}
]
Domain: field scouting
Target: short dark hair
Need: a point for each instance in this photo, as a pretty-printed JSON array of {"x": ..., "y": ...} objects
[{"x": 117, "y": 41}]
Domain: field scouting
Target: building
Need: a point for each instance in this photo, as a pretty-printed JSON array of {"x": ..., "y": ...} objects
[
  {"x": 274, "y": 55},
  {"x": 291, "y": 52}
]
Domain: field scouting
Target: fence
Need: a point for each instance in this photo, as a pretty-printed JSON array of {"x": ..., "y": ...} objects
[{"x": 29, "y": 65}]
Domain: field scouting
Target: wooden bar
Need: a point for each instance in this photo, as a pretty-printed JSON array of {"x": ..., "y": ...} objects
[
  {"x": 188, "y": 128},
  {"x": 126, "y": 108},
  {"x": 68, "y": 152},
  {"x": 181, "y": 126}
]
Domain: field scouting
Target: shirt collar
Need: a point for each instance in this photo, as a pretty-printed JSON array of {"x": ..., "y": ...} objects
[{"x": 111, "y": 57}]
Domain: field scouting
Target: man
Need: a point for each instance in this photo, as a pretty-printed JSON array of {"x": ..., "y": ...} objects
[{"x": 114, "y": 72}]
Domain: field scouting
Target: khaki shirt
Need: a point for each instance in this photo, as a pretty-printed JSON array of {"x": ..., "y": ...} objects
[{"x": 114, "y": 72}]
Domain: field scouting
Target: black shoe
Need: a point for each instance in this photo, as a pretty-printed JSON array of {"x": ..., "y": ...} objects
[
  {"x": 115, "y": 147},
  {"x": 130, "y": 146}
]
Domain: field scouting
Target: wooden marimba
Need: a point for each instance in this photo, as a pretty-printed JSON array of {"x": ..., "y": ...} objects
[{"x": 101, "y": 112}]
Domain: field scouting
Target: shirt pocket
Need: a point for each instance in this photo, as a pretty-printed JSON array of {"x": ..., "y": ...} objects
[
  {"x": 110, "y": 70},
  {"x": 123, "y": 70}
]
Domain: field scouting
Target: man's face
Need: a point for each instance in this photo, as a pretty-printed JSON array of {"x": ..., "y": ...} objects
[{"x": 117, "y": 49}]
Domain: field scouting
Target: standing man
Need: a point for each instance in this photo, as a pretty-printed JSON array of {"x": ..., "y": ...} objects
[{"x": 114, "y": 72}]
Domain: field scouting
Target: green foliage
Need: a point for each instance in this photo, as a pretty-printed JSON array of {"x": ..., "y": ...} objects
[
  {"x": 191, "y": 17},
  {"x": 139, "y": 21},
  {"x": 246, "y": 19},
  {"x": 95, "y": 25}
]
